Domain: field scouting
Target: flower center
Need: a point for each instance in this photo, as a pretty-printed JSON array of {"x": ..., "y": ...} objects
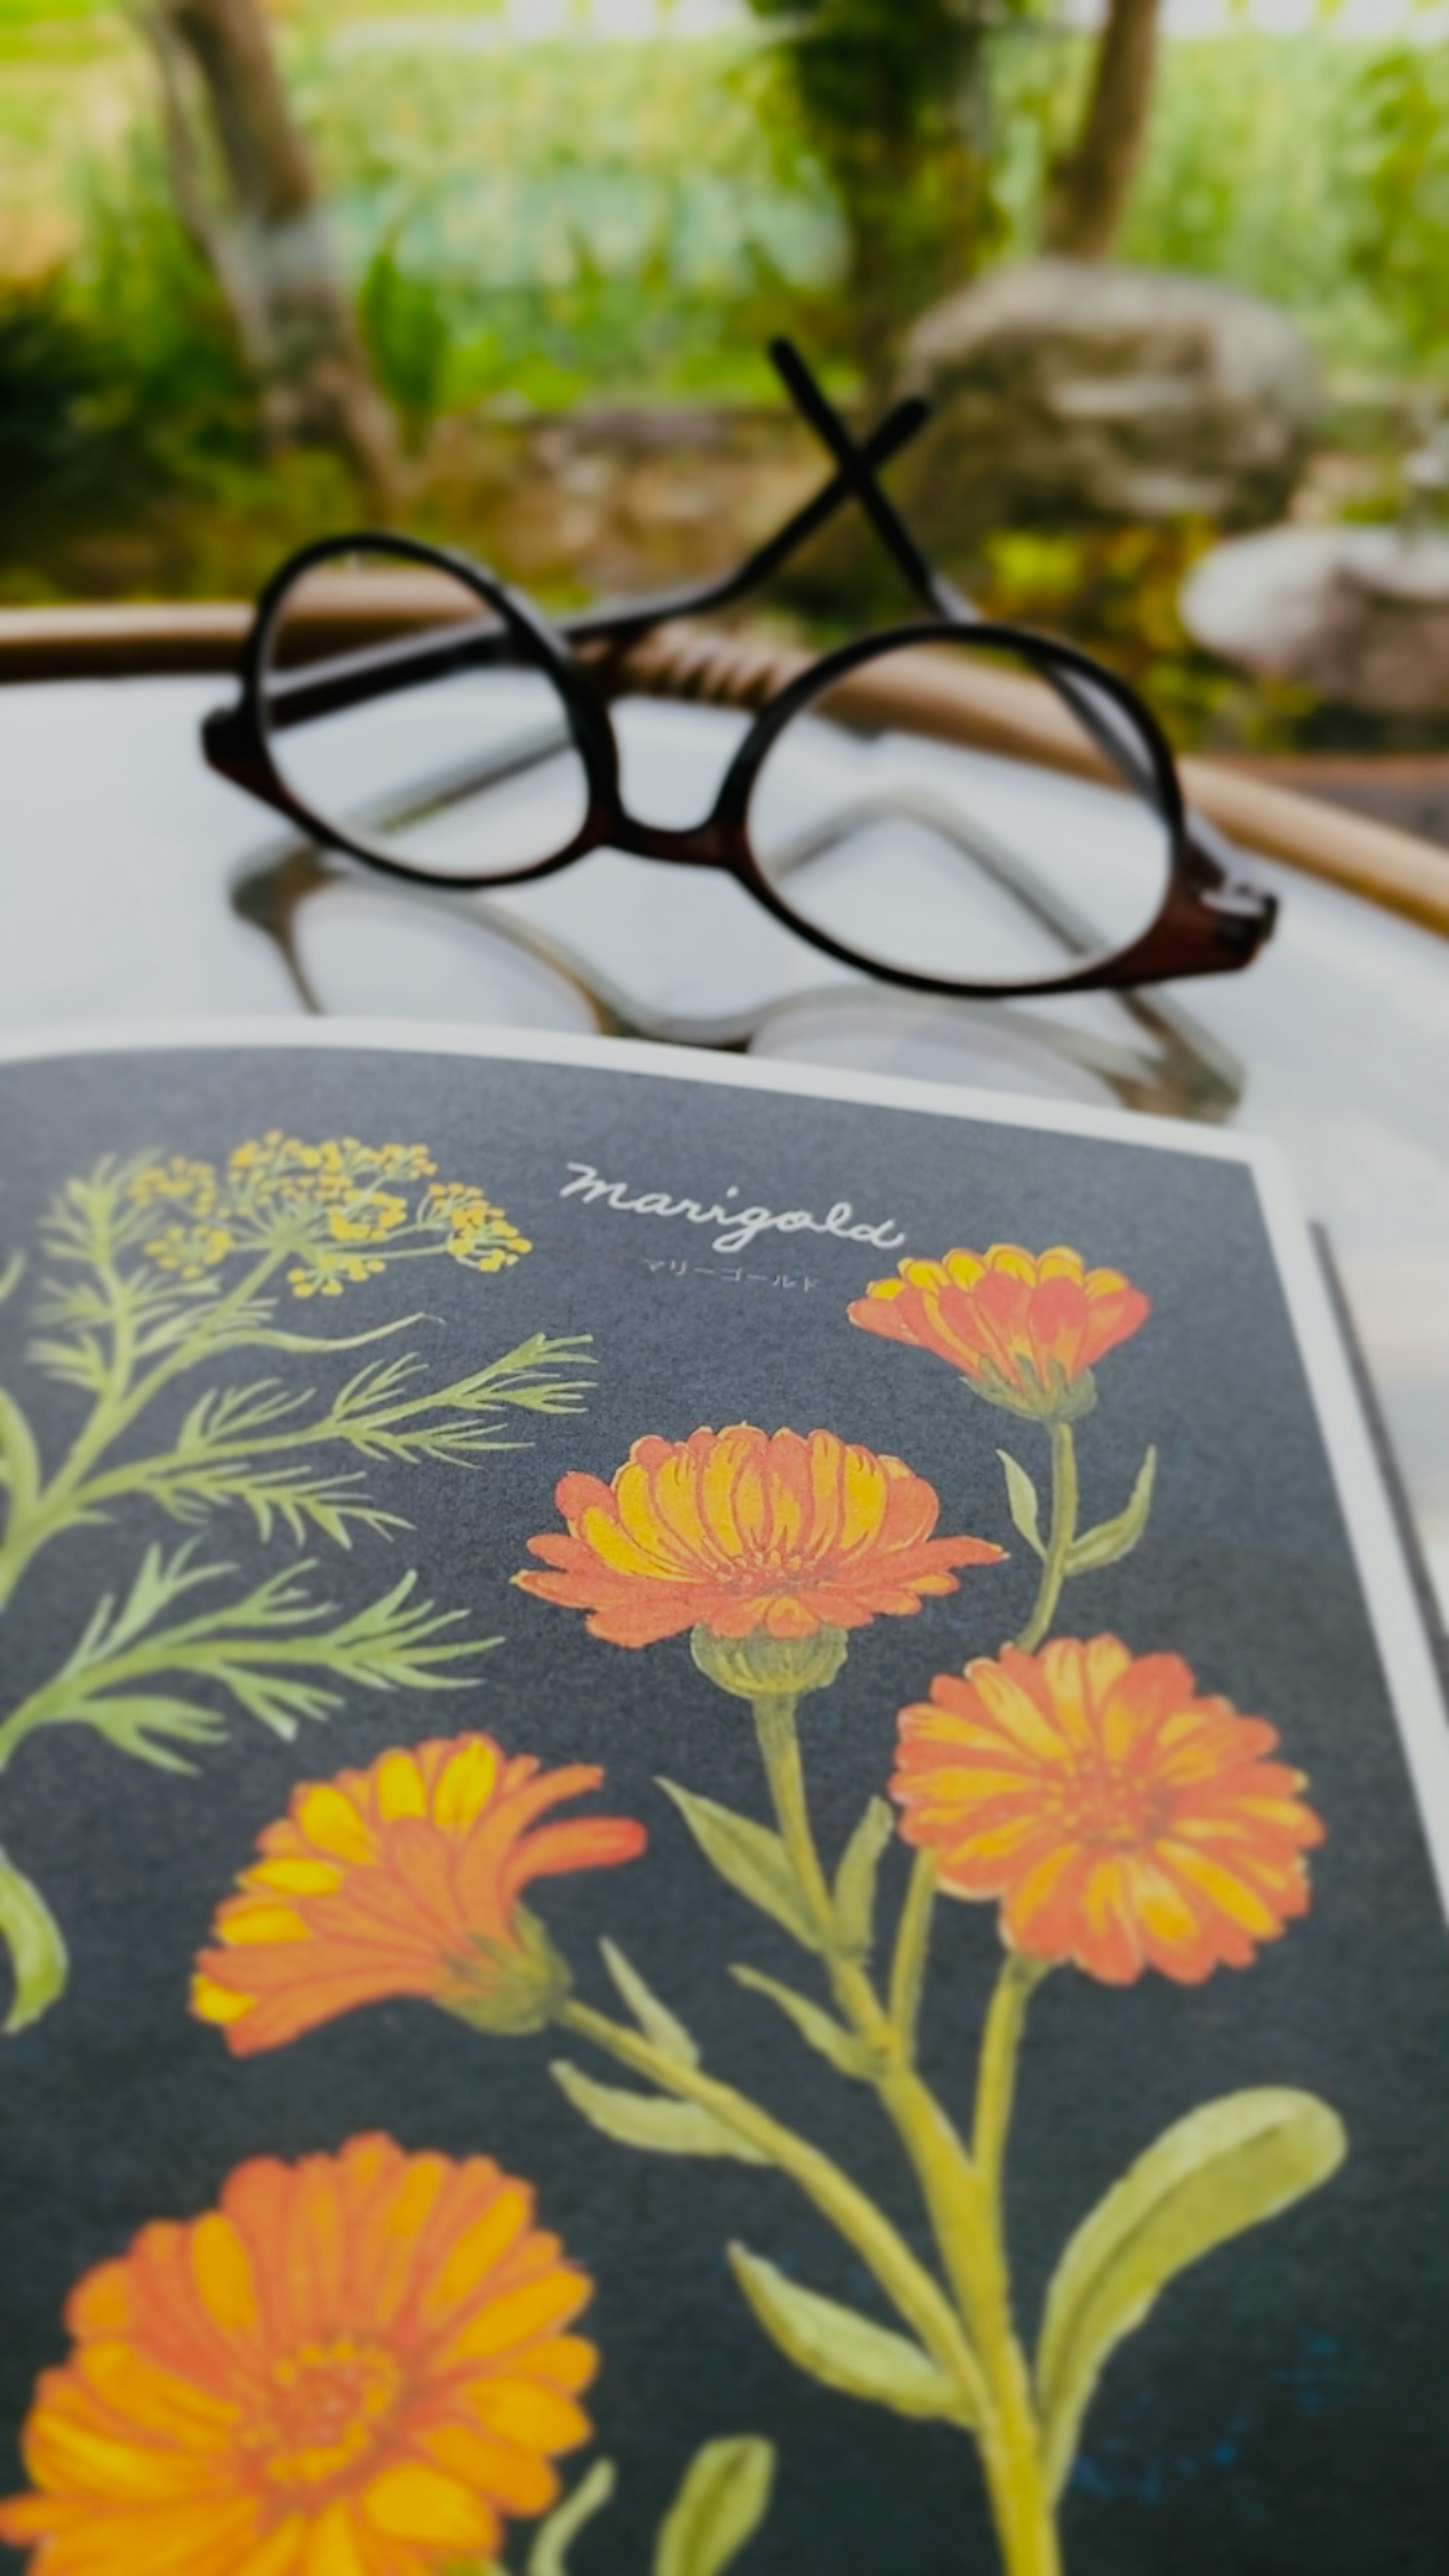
[
  {"x": 1102, "y": 1802},
  {"x": 326, "y": 2404}
]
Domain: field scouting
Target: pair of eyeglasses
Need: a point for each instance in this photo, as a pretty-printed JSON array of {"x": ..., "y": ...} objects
[{"x": 402, "y": 706}]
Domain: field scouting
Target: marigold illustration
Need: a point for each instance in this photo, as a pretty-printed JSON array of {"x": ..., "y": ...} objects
[
  {"x": 404, "y": 1879},
  {"x": 355, "y": 2366},
  {"x": 1124, "y": 1820},
  {"x": 341, "y": 1207},
  {"x": 1026, "y": 1329},
  {"x": 737, "y": 1531}
]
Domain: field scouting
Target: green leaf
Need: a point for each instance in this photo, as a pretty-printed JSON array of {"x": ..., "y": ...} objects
[
  {"x": 11, "y": 1276},
  {"x": 1116, "y": 1538},
  {"x": 724, "y": 2498},
  {"x": 843, "y": 2349},
  {"x": 1210, "y": 2176},
  {"x": 146, "y": 1724},
  {"x": 37, "y": 1949},
  {"x": 820, "y": 2029},
  {"x": 554, "y": 2538},
  {"x": 855, "y": 1879},
  {"x": 750, "y": 1857},
  {"x": 1021, "y": 1497},
  {"x": 650, "y": 2121},
  {"x": 252, "y": 1649},
  {"x": 293, "y": 1498},
  {"x": 654, "y": 2018}
]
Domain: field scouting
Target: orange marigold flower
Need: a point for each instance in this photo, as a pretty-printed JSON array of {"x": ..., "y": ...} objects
[
  {"x": 1026, "y": 1329},
  {"x": 356, "y": 2366},
  {"x": 1124, "y": 1820},
  {"x": 735, "y": 1531},
  {"x": 404, "y": 1879}
]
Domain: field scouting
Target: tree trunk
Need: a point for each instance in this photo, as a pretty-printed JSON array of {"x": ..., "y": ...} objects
[
  {"x": 1087, "y": 188},
  {"x": 245, "y": 189}
]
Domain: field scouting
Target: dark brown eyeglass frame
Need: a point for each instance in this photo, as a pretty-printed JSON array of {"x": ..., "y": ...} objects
[{"x": 1210, "y": 920}]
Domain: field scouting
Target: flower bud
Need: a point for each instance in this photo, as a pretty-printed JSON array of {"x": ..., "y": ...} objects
[
  {"x": 764, "y": 1667},
  {"x": 507, "y": 1987}
]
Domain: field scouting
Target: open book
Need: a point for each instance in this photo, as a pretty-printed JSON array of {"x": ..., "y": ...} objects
[{"x": 724, "y": 1836}]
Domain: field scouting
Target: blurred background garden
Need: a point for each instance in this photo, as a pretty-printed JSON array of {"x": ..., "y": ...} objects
[{"x": 503, "y": 272}]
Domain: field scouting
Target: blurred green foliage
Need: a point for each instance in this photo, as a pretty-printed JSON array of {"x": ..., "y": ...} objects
[
  {"x": 566, "y": 219},
  {"x": 895, "y": 102},
  {"x": 629, "y": 221},
  {"x": 1309, "y": 171},
  {"x": 1397, "y": 170}
]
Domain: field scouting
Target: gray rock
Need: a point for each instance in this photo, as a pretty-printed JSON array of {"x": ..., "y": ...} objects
[
  {"x": 1359, "y": 615},
  {"x": 1070, "y": 393}
]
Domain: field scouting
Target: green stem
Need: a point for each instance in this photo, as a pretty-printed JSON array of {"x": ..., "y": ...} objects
[
  {"x": 913, "y": 1941},
  {"x": 1065, "y": 1500},
  {"x": 996, "y": 2076},
  {"x": 916, "y": 2298},
  {"x": 960, "y": 2202}
]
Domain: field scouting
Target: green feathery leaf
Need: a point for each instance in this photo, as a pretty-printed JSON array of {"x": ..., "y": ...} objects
[{"x": 253, "y": 1651}]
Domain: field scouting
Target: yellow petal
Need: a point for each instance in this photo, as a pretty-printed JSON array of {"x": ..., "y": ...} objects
[
  {"x": 537, "y": 2419},
  {"x": 245, "y": 1926},
  {"x": 214, "y": 2003},
  {"x": 333, "y": 1823},
  {"x": 69, "y": 2457},
  {"x": 516, "y": 2481},
  {"x": 277, "y": 2555},
  {"x": 295, "y": 1877},
  {"x": 334, "y": 2546},
  {"x": 222, "y": 2271},
  {"x": 465, "y": 1785},
  {"x": 864, "y": 1487},
  {"x": 400, "y": 1790},
  {"x": 479, "y": 2249},
  {"x": 517, "y": 2317},
  {"x": 425, "y": 2505},
  {"x": 154, "y": 2400},
  {"x": 1010, "y": 1259}
]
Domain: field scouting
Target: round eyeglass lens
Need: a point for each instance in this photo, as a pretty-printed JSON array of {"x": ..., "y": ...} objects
[
  {"x": 415, "y": 723},
  {"x": 382, "y": 951},
  {"x": 907, "y": 814}
]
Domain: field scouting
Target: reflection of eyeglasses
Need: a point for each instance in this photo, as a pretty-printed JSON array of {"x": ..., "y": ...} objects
[{"x": 403, "y": 706}]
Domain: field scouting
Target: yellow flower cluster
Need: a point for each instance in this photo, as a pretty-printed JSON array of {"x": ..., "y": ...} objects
[
  {"x": 177, "y": 1183},
  {"x": 479, "y": 1234},
  {"x": 339, "y": 1206},
  {"x": 275, "y": 1166}
]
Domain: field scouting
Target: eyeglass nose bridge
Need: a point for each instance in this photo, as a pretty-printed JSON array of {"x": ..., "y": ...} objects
[{"x": 714, "y": 843}]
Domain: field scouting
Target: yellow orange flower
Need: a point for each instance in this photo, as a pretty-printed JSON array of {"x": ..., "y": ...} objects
[
  {"x": 1025, "y": 1328},
  {"x": 736, "y": 1531},
  {"x": 355, "y": 2366},
  {"x": 1124, "y": 1820},
  {"x": 404, "y": 1879}
]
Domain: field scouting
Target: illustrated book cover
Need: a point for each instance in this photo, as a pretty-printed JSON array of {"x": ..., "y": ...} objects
[{"x": 723, "y": 1835}]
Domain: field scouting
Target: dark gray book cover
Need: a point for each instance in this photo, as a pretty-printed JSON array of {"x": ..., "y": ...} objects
[{"x": 723, "y": 1828}]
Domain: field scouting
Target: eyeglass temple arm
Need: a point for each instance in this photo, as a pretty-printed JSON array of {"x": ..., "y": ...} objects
[
  {"x": 353, "y": 678},
  {"x": 1219, "y": 862},
  {"x": 619, "y": 621},
  {"x": 854, "y": 467},
  {"x": 928, "y": 583}
]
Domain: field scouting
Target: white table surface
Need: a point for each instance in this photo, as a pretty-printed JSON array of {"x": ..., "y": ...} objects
[{"x": 119, "y": 849}]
